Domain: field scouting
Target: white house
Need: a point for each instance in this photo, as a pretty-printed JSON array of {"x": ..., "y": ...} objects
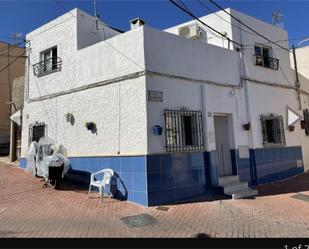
[
  {"x": 175, "y": 113},
  {"x": 302, "y": 56}
]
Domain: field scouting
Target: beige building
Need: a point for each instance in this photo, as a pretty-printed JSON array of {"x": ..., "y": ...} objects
[
  {"x": 302, "y": 58},
  {"x": 12, "y": 66}
]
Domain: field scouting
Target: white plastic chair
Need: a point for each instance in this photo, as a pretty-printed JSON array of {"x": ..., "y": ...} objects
[{"x": 101, "y": 184}]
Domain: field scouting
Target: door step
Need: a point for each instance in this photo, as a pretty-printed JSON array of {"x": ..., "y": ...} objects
[
  {"x": 231, "y": 186},
  {"x": 228, "y": 180},
  {"x": 234, "y": 187},
  {"x": 244, "y": 194}
]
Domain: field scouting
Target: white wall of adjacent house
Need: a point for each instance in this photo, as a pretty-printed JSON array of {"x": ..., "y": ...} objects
[
  {"x": 219, "y": 21},
  {"x": 182, "y": 63},
  {"x": 265, "y": 99},
  {"x": 302, "y": 56},
  {"x": 190, "y": 58},
  {"x": 118, "y": 109}
]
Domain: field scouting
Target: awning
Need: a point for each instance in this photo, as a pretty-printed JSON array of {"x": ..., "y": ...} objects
[{"x": 16, "y": 117}]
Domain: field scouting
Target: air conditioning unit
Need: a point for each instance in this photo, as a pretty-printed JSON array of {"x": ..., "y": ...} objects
[{"x": 190, "y": 31}]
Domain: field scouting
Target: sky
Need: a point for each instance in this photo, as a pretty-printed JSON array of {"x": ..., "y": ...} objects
[{"x": 23, "y": 16}]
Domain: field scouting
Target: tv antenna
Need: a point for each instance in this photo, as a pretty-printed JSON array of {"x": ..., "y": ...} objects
[
  {"x": 277, "y": 18},
  {"x": 17, "y": 36}
]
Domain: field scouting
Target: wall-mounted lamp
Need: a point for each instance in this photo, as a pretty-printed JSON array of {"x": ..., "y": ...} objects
[{"x": 69, "y": 117}]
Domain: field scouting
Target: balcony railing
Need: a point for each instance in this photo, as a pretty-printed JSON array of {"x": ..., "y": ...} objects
[
  {"x": 268, "y": 62},
  {"x": 48, "y": 66}
]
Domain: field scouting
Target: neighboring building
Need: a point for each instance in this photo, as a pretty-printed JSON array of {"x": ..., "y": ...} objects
[
  {"x": 12, "y": 66},
  {"x": 16, "y": 109},
  {"x": 222, "y": 109},
  {"x": 302, "y": 57}
]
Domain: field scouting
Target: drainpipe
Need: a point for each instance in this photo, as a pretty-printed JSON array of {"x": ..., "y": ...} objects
[
  {"x": 243, "y": 76},
  {"x": 297, "y": 85},
  {"x": 205, "y": 114}
]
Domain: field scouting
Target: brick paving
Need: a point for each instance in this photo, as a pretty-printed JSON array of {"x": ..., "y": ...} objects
[{"x": 28, "y": 210}]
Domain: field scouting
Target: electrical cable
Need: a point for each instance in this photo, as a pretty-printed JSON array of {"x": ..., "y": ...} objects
[
  {"x": 213, "y": 12},
  {"x": 214, "y": 3},
  {"x": 196, "y": 18},
  {"x": 19, "y": 56}
]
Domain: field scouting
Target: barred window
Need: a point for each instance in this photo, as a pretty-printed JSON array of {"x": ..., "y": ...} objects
[
  {"x": 183, "y": 130},
  {"x": 36, "y": 131},
  {"x": 272, "y": 130},
  {"x": 306, "y": 119}
]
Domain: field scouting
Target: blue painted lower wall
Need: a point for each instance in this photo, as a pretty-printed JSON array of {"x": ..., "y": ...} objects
[
  {"x": 211, "y": 167},
  {"x": 269, "y": 164},
  {"x": 175, "y": 176},
  {"x": 165, "y": 178},
  {"x": 130, "y": 182}
]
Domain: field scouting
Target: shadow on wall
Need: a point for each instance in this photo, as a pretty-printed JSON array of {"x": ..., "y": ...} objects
[{"x": 118, "y": 189}]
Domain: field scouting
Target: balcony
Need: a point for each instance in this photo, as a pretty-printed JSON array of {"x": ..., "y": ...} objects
[
  {"x": 48, "y": 66},
  {"x": 267, "y": 62}
]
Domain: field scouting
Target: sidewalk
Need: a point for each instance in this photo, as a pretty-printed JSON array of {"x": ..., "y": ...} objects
[{"x": 28, "y": 210}]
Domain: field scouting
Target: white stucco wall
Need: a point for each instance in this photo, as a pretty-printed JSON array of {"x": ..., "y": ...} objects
[
  {"x": 183, "y": 64},
  {"x": 173, "y": 55},
  {"x": 302, "y": 57},
  {"x": 248, "y": 40},
  {"x": 100, "y": 105},
  {"x": 118, "y": 56},
  {"x": 220, "y": 23},
  {"x": 87, "y": 32},
  {"x": 180, "y": 93},
  {"x": 195, "y": 59},
  {"x": 114, "y": 57}
]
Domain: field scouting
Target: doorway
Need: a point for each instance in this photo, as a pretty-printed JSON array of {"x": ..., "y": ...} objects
[{"x": 223, "y": 144}]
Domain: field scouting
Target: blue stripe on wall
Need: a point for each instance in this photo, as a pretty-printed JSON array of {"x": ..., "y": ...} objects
[{"x": 166, "y": 178}]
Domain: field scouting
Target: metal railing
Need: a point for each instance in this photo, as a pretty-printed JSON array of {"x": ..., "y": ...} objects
[
  {"x": 47, "y": 66},
  {"x": 267, "y": 62},
  {"x": 183, "y": 130}
]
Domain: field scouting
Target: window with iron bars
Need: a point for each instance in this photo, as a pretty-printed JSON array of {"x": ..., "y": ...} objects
[
  {"x": 306, "y": 119},
  {"x": 263, "y": 57},
  {"x": 36, "y": 131},
  {"x": 49, "y": 63},
  {"x": 183, "y": 130},
  {"x": 272, "y": 130}
]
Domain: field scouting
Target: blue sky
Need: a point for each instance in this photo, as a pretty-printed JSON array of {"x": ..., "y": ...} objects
[{"x": 24, "y": 16}]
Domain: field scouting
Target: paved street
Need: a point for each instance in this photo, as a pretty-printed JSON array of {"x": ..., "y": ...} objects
[{"x": 28, "y": 210}]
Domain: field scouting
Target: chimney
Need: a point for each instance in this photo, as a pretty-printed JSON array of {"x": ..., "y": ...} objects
[{"x": 136, "y": 23}]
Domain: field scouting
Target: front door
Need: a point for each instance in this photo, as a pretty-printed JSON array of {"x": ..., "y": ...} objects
[{"x": 223, "y": 144}]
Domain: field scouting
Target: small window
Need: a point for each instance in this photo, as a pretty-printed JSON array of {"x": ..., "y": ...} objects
[
  {"x": 183, "y": 130},
  {"x": 49, "y": 59},
  {"x": 264, "y": 58},
  {"x": 36, "y": 131},
  {"x": 49, "y": 62},
  {"x": 272, "y": 130}
]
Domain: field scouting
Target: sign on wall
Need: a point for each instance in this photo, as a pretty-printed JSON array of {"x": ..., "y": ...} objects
[{"x": 155, "y": 96}]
